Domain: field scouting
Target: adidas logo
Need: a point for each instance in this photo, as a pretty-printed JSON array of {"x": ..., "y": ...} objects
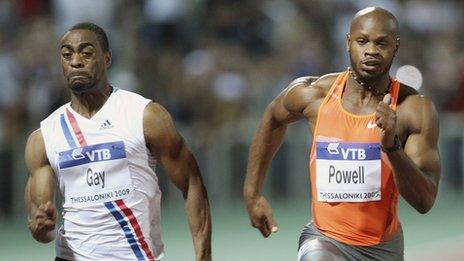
[{"x": 106, "y": 125}]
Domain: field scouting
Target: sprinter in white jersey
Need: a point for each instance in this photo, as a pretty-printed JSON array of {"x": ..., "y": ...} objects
[{"x": 99, "y": 150}]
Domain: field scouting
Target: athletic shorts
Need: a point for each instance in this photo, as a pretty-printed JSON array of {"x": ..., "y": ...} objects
[{"x": 313, "y": 245}]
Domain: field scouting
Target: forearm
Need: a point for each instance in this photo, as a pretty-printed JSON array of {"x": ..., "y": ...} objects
[
  {"x": 39, "y": 190},
  {"x": 199, "y": 219},
  {"x": 418, "y": 188},
  {"x": 30, "y": 206},
  {"x": 185, "y": 173},
  {"x": 39, "y": 197},
  {"x": 266, "y": 142},
  {"x": 38, "y": 193}
]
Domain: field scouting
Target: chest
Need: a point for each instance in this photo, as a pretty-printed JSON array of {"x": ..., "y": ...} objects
[
  {"x": 93, "y": 140},
  {"x": 359, "y": 106}
]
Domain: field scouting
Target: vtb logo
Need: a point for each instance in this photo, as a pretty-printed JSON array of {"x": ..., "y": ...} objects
[
  {"x": 333, "y": 148},
  {"x": 92, "y": 153},
  {"x": 98, "y": 154},
  {"x": 77, "y": 154},
  {"x": 347, "y": 153}
]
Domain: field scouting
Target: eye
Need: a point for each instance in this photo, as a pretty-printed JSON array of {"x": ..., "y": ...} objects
[
  {"x": 66, "y": 55},
  {"x": 87, "y": 54},
  {"x": 361, "y": 41}
]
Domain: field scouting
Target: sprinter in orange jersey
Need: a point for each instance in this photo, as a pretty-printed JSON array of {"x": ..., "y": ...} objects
[{"x": 373, "y": 138}]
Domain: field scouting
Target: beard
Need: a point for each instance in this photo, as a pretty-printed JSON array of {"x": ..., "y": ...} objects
[
  {"x": 370, "y": 76},
  {"x": 82, "y": 85}
]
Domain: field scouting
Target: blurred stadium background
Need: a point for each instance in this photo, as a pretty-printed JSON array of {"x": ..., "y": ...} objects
[{"x": 215, "y": 65}]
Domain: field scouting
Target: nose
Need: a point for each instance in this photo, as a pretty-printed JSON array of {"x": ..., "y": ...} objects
[
  {"x": 371, "y": 49},
  {"x": 76, "y": 61}
]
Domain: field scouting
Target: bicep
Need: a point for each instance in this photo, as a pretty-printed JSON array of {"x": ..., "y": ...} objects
[
  {"x": 289, "y": 105},
  {"x": 422, "y": 144},
  {"x": 40, "y": 185},
  {"x": 166, "y": 144},
  {"x": 180, "y": 166}
]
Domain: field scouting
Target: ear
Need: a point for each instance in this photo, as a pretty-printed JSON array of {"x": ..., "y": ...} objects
[
  {"x": 108, "y": 56},
  {"x": 348, "y": 41},
  {"x": 397, "y": 46}
]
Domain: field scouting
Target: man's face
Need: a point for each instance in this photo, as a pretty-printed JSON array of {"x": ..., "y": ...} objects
[
  {"x": 83, "y": 61},
  {"x": 372, "y": 46}
]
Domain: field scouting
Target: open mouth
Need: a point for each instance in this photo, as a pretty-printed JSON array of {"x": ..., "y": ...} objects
[
  {"x": 370, "y": 65},
  {"x": 371, "y": 62}
]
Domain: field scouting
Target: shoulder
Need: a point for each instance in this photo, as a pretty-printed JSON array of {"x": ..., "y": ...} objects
[
  {"x": 35, "y": 149},
  {"x": 157, "y": 122},
  {"x": 326, "y": 81},
  {"x": 305, "y": 90},
  {"x": 159, "y": 130},
  {"x": 411, "y": 100},
  {"x": 308, "y": 88},
  {"x": 416, "y": 109},
  {"x": 131, "y": 106},
  {"x": 36, "y": 137},
  {"x": 406, "y": 92},
  {"x": 155, "y": 112},
  {"x": 123, "y": 92},
  {"x": 55, "y": 114},
  {"x": 130, "y": 96}
]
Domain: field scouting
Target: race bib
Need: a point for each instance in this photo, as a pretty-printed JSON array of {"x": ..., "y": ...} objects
[
  {"x": 348, "y": 172},
  {"x": 95, "y": 173}
]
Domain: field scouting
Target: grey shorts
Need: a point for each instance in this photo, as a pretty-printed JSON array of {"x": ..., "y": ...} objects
[{"x": 313, "y": 245}]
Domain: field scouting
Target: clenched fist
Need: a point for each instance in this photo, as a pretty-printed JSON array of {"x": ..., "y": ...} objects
[
  {"x": 261, "y": 215},
  {"x": 386, "y": 121},
  {"x": 42, "y": 224}
]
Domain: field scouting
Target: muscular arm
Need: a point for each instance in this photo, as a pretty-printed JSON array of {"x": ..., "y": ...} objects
[
  {"x": 169, "y": 147},
  {"x": 288, "y": 107},
  {"x": 39, "y": 190},
  {"x": 267, "y": 140},
  {"x": 417, "y": 168}
]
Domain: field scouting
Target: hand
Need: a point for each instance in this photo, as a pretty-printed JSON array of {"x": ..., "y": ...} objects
[
  {"x": 261, "y": 216},
  {"x": 386, "y": 121},
  {"x": 43, "y": 222}
]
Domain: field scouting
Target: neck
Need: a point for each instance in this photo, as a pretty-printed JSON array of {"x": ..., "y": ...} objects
[
  {"x": 377, "y": 87},
  {"x": 88, "y": 103}
]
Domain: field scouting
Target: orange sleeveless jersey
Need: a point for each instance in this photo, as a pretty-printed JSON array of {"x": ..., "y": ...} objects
[{"x": 351, "y": 222}]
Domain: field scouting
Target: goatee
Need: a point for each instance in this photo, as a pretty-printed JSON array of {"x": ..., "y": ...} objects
[{"x": 80, "y": 87}]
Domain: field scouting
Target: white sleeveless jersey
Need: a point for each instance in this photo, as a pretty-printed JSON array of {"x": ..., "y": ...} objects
[{"x": 111, "y": 198}]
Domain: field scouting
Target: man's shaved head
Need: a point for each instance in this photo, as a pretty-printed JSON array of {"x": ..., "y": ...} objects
[
  {"x": 376, "y": 15},
  {"x": 372, "y": 43}
]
